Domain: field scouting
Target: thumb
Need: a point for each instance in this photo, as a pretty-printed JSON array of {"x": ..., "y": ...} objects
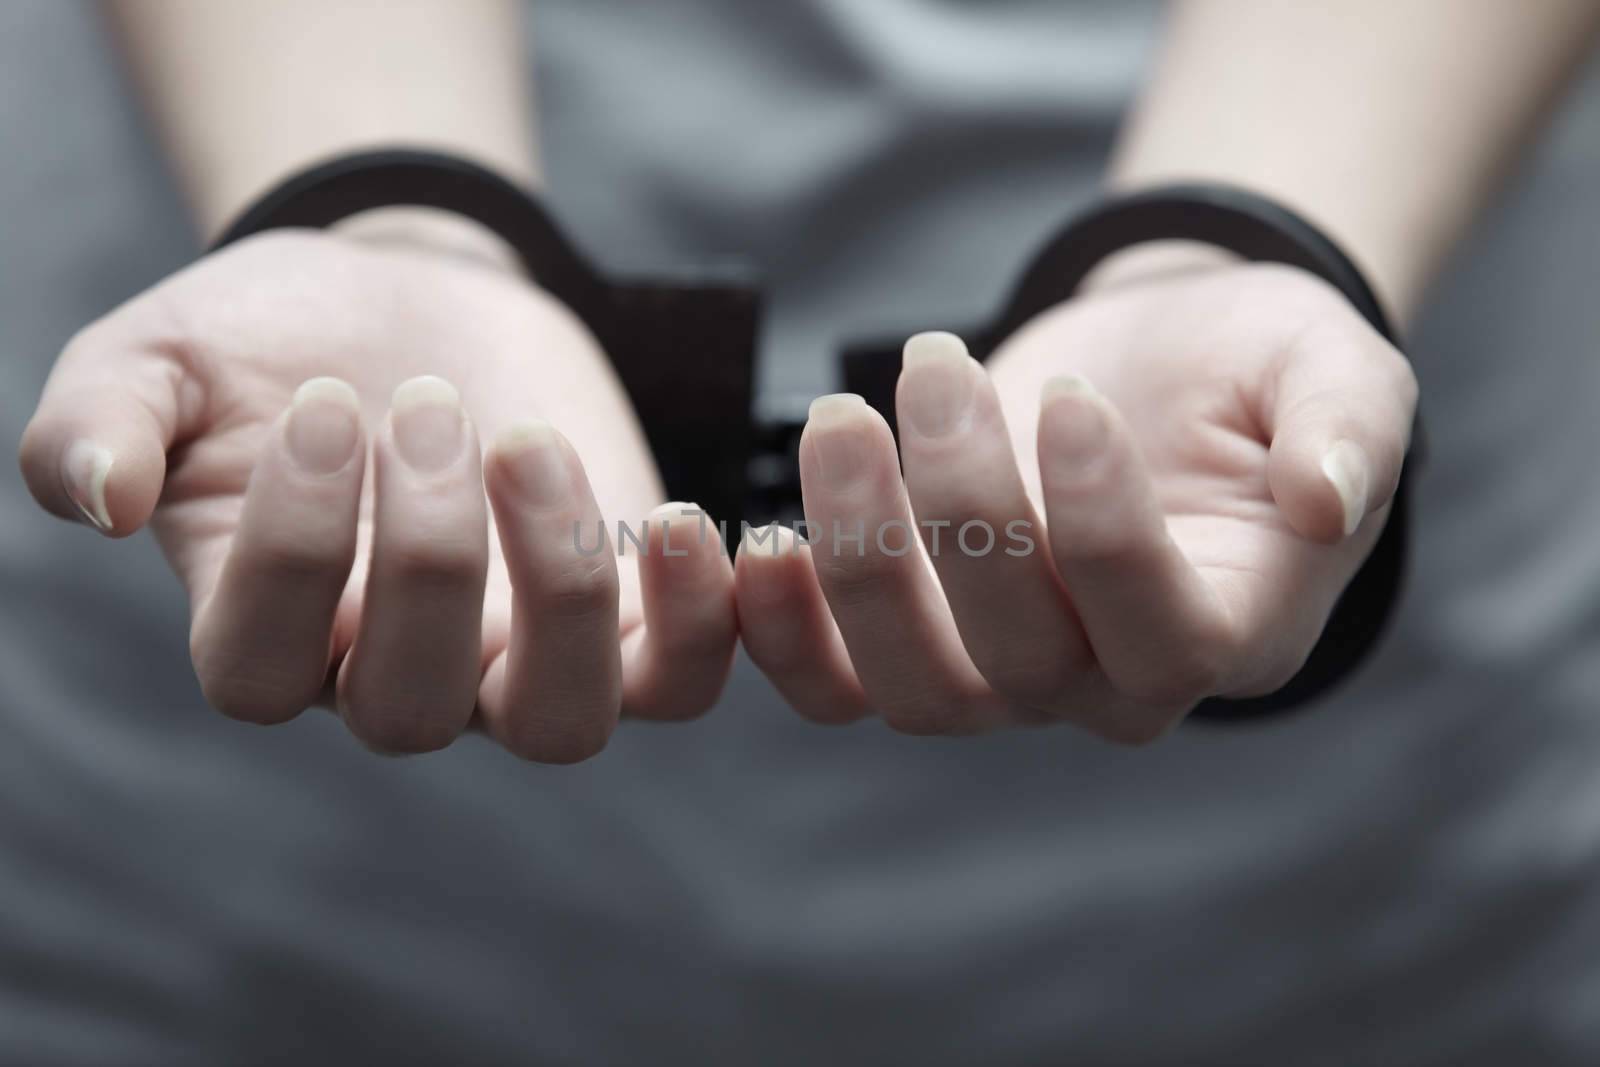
[
  {"x": 1339, "y": 419},
  {"x": 95, "y": 450}
]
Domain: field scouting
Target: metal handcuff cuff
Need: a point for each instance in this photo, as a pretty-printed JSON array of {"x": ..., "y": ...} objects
[{"x": 684, "y": 345}]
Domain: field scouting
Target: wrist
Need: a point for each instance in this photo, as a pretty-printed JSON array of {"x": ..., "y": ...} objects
[
  {"x": 1153, "y": 261},
  {"x": 433, "y": 232},
  {"x": 1392, "y": 256}
]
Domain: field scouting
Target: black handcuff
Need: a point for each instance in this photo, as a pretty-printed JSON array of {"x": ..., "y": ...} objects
[{"x": 684, "y": 345}]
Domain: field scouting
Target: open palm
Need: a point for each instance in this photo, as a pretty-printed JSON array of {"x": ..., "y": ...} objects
[
  {"x": 1202, "y": 462},
  {"x": 299, "y": 419}
]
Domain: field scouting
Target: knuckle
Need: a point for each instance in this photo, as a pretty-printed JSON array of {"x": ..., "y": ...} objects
[
  {"x": 395, "y": 731},
  {"x": 706, "y": 637},
  {"x": 953, "y": 496},
  {"x": 695, "y": 689},
  {"x": 924, "y": 717},
  {"x": 676, "y": 708},
  {"x": 788, "y": 658},
  {"x": 561, "y": 747},
  {"x": 780, "y": 652},
  {"x": 1094, "y": 528},
  {"x": 1280, "y": 670},
  {"x": 244, "y": 698},
  {"x": 1033, "y": 676},
  {"x": 914, "y": 724},
  {"x": 852, "y": 580},
  {"x": 244, "y": 688},
  {"x": 1183, "y": 678},
  {"x": 828, "y": 712},
  {"x": 436, "y": 561},
  {"x": 1139, "y": 730},
  {"x": 579, "y": 588},
  {"x": 287, "y": 556}
]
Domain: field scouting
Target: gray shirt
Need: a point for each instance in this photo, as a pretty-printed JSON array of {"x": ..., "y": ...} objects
[{"x": 1403, "y": 874}]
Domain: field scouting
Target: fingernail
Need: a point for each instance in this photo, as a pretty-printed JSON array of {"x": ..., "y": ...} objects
[
  {"x": 532, "y": 454},
  {"x": 84, "y": 469},
  {"x": 936, "y": 384},
  {"x": 835, "y": 422},
  {"x": 1066, "y": 385},
  {"x": 324, "y": 423},
  {"x": 1345, "y": 466},
  {"x": 681, "y": 524},
  {"x": 774, "y": 539},
  {"x": 679, "y": 513},
  {"x": 427, "y": 418},
  {"x": 1075, "y": 434}
]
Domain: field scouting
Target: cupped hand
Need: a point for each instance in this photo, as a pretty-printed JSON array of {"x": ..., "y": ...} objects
[
  {"x": 1152, "y": 495},
  {"x": 299, "y": 418}
]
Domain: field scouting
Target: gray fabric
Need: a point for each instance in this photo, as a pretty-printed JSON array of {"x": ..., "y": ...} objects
[{"x": 1401, "y": 876}]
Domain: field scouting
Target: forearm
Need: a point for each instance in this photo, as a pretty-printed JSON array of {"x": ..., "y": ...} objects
[
  {"x": 247, "y": 91},
  {"x": 1388, "y": 124}
]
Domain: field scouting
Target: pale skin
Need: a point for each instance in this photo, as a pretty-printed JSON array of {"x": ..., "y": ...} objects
[
  {"x": 344, "y": 442},
  {"x": 1193, "y": 432}
]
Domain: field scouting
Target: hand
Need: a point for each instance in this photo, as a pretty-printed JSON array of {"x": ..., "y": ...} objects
[
  {"x": 1216, "y": 453},
  {"x": 227, "y": 407}
]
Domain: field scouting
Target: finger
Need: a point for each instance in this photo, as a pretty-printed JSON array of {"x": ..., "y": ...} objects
[
  {"x": 263, "y": 628},
  {"x": 95, "y": 450},
  {"x": 787, "y": 630},
  {"x": 554, "y": 694},
  {"x": 1159, "y": 630},
  {"x": 411, "y": 679},
  {"x": 877, "y": 582},
  {"x": 676, "y": 664},
  {"x": 983, "y": 534},
  {"x": 1339, "y": 417}
]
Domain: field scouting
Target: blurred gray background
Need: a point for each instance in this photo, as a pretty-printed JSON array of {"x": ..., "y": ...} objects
[{"x": 1406, "y": 874}]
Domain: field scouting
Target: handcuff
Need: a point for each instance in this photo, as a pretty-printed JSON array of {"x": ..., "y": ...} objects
[{"x": 684, "y": 344}]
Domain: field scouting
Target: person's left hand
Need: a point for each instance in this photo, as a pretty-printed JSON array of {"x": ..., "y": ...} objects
[{"x": 1216, "y": 454}]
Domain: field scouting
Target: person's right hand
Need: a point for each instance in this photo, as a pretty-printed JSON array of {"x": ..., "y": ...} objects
[
  {"x": 1167, "y": 484},
  {"x": 227, "y": 407}
]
